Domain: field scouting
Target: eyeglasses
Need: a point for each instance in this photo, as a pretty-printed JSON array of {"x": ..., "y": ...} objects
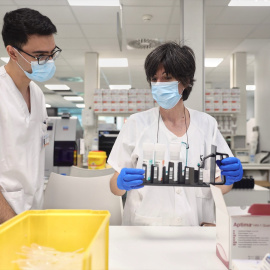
[{"x": 43, "y": 59}]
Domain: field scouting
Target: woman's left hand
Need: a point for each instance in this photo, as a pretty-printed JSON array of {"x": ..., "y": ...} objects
[{"x": 231, "y": 167}]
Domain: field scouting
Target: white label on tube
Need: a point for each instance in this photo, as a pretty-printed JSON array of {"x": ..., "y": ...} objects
[
  {"x": 148, "y": 164},
  {"x": 175, "y": 177},
  {"x": 155, "y": 173},
  {"x": 201, "y": 175},
  {"x": 187, "y": 174},
  {"x": 159, "y": 164}
]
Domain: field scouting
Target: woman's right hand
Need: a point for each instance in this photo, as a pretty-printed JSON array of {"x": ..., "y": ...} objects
[{"x": 130, "y": 178}]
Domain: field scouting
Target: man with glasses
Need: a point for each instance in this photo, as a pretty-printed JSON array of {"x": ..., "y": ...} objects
[{"x": 29, "y": 40}]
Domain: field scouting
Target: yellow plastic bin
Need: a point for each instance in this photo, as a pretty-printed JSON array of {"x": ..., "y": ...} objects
[
  {"x": 97, "y": 160},
  {"x": 63, "y": 230}
]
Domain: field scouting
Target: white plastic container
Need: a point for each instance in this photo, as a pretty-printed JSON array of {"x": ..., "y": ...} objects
[
  {"x": 148, "y": 152},
  {"x": 159, "y": 158},
  {"x": 175, "y": 150}
]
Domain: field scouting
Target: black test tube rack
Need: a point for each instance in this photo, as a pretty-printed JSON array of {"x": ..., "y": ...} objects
[{"x": 191, "y": 176}]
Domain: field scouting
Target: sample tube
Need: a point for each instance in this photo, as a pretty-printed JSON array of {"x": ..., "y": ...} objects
[
  {"x": 180, "y": 177},
  {"x": 165, "y": 176},
  {"x": 144, "y": 167},
  {"x": 154, "y": 174},
  {"x": 175, "y": 150},
  {"x": 148, "y": 149},
  {"x": 159, "y": 158},
  {"x": 187, "y": 176},
  {"x": 200, "y": 176},
  {"x": 171, "y": 174}
]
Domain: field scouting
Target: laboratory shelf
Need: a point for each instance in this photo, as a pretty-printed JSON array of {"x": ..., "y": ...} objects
[{"x": 120, "y": 114}]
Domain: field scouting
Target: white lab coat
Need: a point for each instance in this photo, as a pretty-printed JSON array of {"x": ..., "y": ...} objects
[
  {"x": 167, "y": 205},
  {"x": 22, "y": 153}
]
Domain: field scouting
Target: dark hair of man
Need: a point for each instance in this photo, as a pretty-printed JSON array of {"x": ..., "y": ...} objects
[
  {"x": 21, "y": 23},
  {"x": 178, "y": 61}
]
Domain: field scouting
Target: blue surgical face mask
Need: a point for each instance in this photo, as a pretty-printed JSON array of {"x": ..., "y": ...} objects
[
  {"x": 166, "y": 94},
  {"x": 40, "y": 73}
]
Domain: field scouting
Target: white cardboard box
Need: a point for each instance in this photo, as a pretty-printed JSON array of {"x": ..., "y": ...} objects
[
  {"x": 239, "y": 234},
  {"x": 252, "y": 264}
]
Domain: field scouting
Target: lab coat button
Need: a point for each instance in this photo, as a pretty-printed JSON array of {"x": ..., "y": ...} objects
[
  {"x": 179, "y": 220},
  {"x": 178, "y": 191}
]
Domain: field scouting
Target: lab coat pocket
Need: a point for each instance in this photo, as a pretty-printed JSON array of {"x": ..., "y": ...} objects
[
  {"x": 3, "y": 165},
  {"x": 204, "y": 193},
  {"x": 205, "y": 205},
  {"x": 146, "y": 221},
  {"x": 16, "y": 200}
]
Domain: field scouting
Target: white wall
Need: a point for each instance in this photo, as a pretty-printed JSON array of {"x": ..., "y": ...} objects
[
  {"x": 250, "y": 106},
  {"x": 262, "y": 96}
]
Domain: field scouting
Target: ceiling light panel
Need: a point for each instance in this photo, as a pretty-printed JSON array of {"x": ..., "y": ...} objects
[
  {"x": 63, "y": 87},
  {"x": 250, "y": 87},
  {"x": 212, "y": 62},
  {"x": 119, "y": 87},
  {"x": 96, "y": 3},
  {"x": 73, "y": 98},
  {"x": 249, "y": 3},
  {"x": 80, "y": 105},
  {"x": 113, "y": 62}
]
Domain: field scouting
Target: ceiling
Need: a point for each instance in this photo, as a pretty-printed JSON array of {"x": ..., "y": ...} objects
[{"x": 94, "y": 29}]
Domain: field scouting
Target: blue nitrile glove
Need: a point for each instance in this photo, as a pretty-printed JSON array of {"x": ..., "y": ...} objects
[
  {"x": 130, "y": 178},
  {"x": 231, "y": 167}
]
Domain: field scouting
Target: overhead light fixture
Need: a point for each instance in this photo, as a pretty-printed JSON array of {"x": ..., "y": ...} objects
[
  {"x": 97, "y": 3},
  {"x": 70, "y": 79},
  {"x": 250, "y": 87},
  {"x": 212, "y": 62},
  {"x": 119, "y": 87},
  {"x": 80, "y": 105},
  {"x": 73, "y": 98},
  {"x": 249, "y": 3},
  {"x": 58, "y": 87},
  {"x": 5, "y": 59},
  {"x": 113, "y": 62},
  {"x": 48, "y": 106}
]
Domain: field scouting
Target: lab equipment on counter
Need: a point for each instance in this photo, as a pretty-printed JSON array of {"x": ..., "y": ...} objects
[
  {"x": 247, "y": 182},
  {"x": 253, "y": 144},
  {"x": 242, "y": 154},
  {"x": 262, "y": 157},
  {"x": 97, "y": 160},
  {"x": 191, "y": 178},
  {"x": 106, "y": 140},
  {"x": 61, "y": 153}
]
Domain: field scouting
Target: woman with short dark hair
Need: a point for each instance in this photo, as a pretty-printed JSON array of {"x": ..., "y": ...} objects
[{"x": 170, "y": 71}]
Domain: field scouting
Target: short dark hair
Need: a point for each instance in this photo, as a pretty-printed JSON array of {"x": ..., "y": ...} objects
[
  {"x": 21, "y": 23},
  {"x": 177, "y": 60}
]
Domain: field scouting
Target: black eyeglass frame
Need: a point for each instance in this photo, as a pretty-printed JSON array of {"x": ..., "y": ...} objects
[{"x": 39, "y": 57}]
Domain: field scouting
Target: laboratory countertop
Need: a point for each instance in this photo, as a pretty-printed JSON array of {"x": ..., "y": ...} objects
[
  {"x": 256, "y": 166},
  {"x": 163, "y": 247}
]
